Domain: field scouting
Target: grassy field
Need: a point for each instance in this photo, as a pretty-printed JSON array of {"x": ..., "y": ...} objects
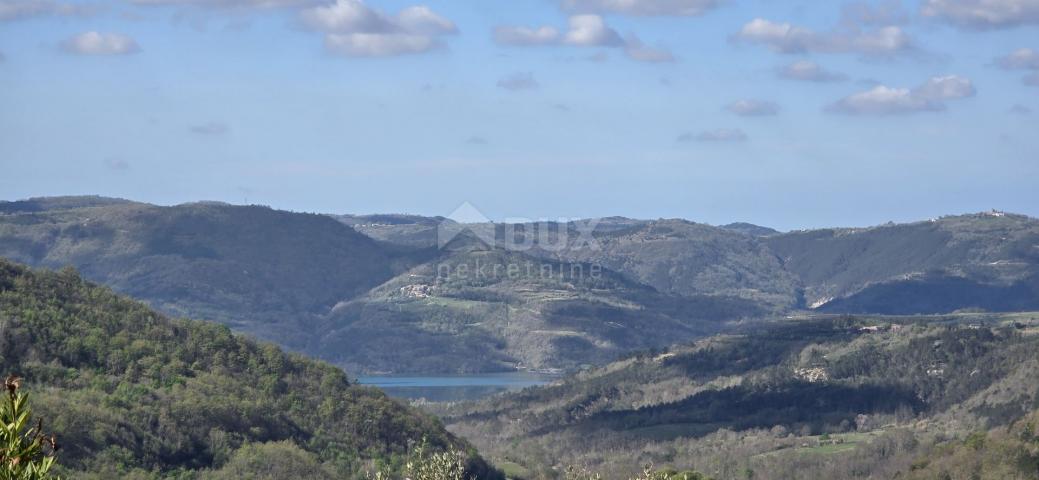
[
  {"x": 513, "y": 469},
  {"x": 817, "y": 445}
]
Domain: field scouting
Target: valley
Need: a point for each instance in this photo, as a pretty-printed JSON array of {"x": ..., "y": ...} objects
[
  {"x": 377, "y": 294},
  {"x": 609, "y": 344},
  {"x": 455, "y": 388},
  {"x": 837, "y": 397},
  {"x": 519, "y": 240}
]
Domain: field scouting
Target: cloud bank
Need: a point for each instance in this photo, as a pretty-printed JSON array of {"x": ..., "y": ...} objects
[
  {"x": 584, "y": 30},
  {"x": 353, "y": 29},
  {"x": 883, "y": 100},
  {"x": 787, "y": 38}
]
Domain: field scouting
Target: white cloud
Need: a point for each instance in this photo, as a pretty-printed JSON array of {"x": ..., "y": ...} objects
[
  {"x": 421, "y": 19},
  {"x": 378, "y": 44},
  {"x": 591, "y": 31},
  {"x": 753, "y": 108},
  {"x": 346, "y": 16},
  {"x": 585, "y": 30},
  {"x": 782, "y": 37},
  {"x": 640, "y": 52},
  {"x": 519, "y": 81},
  {"x": 229, "y": 4},
  {"x": 787, "y": 38},
  {"x": 96, "y": 43},
  {"x": 881, "y": 41},
  {"x": 1020, "y": 59},
  {"x": 883, "y": 100},
  {"x": 641, "y": 7},
  {"x": 810, "y": 72},
  {"x": 524, "y": 36},
  {"x": 354, "y": 29},
  {"x": 716, "y": 135},
  {"x": 983, "y": 14},
  {"x": 20, "y": 9},
  {"x": 949, "y": 87}
]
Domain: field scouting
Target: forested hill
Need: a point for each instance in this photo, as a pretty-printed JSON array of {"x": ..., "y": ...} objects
[
  {"x": 843, "y": 397},
  {"x": 134, "y": 394},
  {"x": 358, "y": 290},
  {"x": 263, "y": 271},
  {"x": 986, "y": 260}
]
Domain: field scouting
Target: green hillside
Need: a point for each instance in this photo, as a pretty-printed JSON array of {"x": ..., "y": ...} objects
[
  {"x": 475, "y": 309},
  {"x": 686, "y": 258},
  {"x": 263, "y": 271},
  {"x": 987, "y": 261},
  {"x": 921, "y": 267},
  {"x": 133, "y": 394},
  {"x": 331, "y": 287},
  {"x": 842, "y": 397},
  {"x": 1004, "y": 453}
]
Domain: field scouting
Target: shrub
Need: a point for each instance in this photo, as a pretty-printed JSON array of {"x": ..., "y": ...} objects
[{"x": 26, "y": 453}]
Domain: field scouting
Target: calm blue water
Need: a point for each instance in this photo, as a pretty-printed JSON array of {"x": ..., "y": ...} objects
[{"x": 447, "y": 388}]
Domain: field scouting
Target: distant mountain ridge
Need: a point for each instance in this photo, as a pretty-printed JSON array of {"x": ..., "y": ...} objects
[
  {"x": 861, "y": 270},
  {"x": 260, "y": 270},
  {"x": 330, "y": 285},
  {"x": 835, "y": 270}
]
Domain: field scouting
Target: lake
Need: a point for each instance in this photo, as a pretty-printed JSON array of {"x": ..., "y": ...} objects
[{"x": 448, "y": 388}]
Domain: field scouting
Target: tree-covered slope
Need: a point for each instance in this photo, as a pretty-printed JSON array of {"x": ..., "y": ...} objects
[
  {"x": 132, "y": 393},
  {"x": 478, "y": 309},
  {"x": 316, "y": 284},
  {"x": 1004, "y": 453},
  {"x": 267, "y": 272},
  {"x": 770, "y": 398},
  {"x": 880, "y": 269},
  {"x": 686, "y": 258}
]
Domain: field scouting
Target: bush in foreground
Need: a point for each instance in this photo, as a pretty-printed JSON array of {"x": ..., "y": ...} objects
[{"x": 26, "y": 453}]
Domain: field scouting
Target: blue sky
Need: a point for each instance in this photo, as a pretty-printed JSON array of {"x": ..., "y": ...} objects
[{"x": 529, "y": 108}]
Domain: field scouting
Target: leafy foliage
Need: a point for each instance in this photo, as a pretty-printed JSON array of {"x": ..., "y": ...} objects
[
  {"x": 577, "y": 473},
  {"x": 425, "y": 465},
  {"x": 26, "y": 453},
  {"x": 1005, "y": 453},
  {"x": 134, "y": 393},
  {"x": 863, "y": 387}
]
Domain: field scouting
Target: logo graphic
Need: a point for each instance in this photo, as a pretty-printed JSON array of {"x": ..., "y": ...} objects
[
  {"x": 517, "y": 234},
  {"x": 465, "y": 220}
]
